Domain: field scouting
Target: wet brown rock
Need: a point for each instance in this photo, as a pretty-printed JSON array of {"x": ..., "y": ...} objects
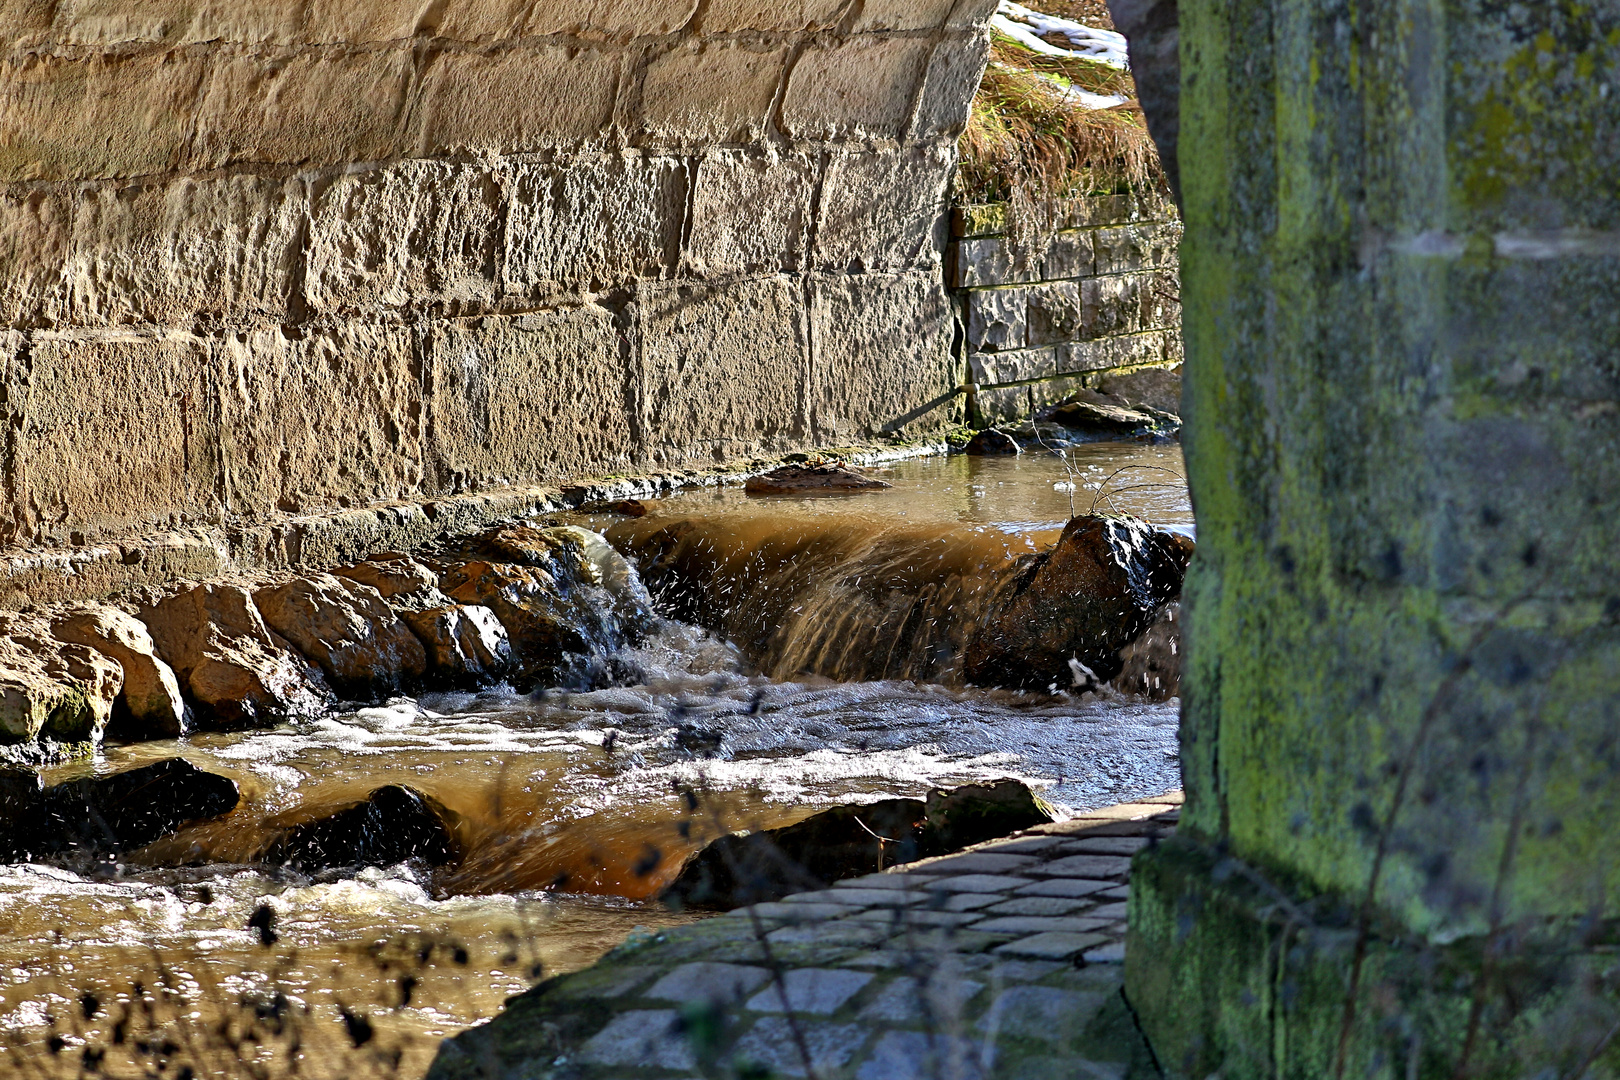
[
  {"x": 236, "y": 671},
  {"x": 466, "y": 643},
  {"x": 1151, "y": 665},
  {"x": 812, "y": 480},
  {"x": 1081, "y": 602},
  {"x": 393, "y": 824},
  {"x": 107, "y": 814},
  {"x": 621, "y": 507},
  {"x": 150, "y": 706},
  {"x": 1105, "y": 416},
  {"x": 991, "y": 442},
  {"x": 395, "y": 577},
  {"x": 348, "y": 629},
  {"x": 49, "y": 689},
  {"x": 528, "y": 604}
]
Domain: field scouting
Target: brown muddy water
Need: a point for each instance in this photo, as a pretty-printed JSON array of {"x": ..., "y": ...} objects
[{"x": 816, "y": 687}]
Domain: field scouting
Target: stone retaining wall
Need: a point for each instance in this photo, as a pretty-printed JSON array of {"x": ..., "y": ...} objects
[
  {"x": 271, "y": 259},
  {"x": 1102, "y": 296}
]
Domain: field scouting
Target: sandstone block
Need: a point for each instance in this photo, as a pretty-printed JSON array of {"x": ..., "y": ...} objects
[
  {"x": 150, "y": 704},
  {"x": 858, "y": 88},
  {"x": 50, "y": 689},
  {"x": 361, "y": 645},
  {"x": 465, "y": 643},
  {"x": 591, "y": 221},
  {"x": 781, "y": 16},
  {"x": 723, "y": 367},
  {"x": 237, "y": 673},
  {"x": 317, "y": 107},
  {"x": 170, "y": 252},
  {"x": 116, "y": 431},
  {"x": 529, "y": 606},
  {"x": 889, "y": 335},
  {"x": 408, "y": 234},
  {"x": 916, "y": 15},
  {"x": 750, "y": 212},
  {"x": 539, "y": 396},
  {"x": 884, "y": 209},
  {"x": 178, "y": 22},
  {"x": 522, "y": 98},
  {"x": 396, "y": 578},
  {"x": 107, "y": 115},
  {"x": 954, "y": 63},
  {"x": 35, "y": 234},
  {"x": 320, "y": 419},
  {"x": 996, "y": 319},
  {"x": 608, "y": 18},
  {"x": 708, "y": 92},
  {"x": 1054, "y": 312}
]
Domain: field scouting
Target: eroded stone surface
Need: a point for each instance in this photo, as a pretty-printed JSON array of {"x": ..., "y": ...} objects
[{"x": 151, "y": 693}]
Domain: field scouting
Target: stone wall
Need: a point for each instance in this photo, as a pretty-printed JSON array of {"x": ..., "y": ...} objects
[
  {"x": 288, "y": 257},
  {"x": 1042, "y": 320}
]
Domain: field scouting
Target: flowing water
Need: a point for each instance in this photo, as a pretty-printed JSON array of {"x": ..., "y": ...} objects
[{"x": 574, "y": 808}]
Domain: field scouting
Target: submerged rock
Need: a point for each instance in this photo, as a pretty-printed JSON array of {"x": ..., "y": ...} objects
[
  {"x": 106, "y": 814},
  {"x": 992, "y": 442},
  {"x": 52, "y": 690},
  {"x": 1063, "y": 618},
  {"x": 150, "y": 705},
  {"x": 347, "y": 628},
  {"x": 848, "y": 841},
  {"x": 1151, "y": 665},
  {"x": 237, "y": 673},
  {"x": 394, "y": 824},
  {"x": 812, "y": 479}
]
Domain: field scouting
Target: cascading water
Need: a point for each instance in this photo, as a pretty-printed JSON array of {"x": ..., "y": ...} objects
[{"x": 570, "y": 808}]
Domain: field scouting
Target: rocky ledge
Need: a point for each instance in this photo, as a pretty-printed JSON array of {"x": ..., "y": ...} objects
[{"x": 533, "y": 605}]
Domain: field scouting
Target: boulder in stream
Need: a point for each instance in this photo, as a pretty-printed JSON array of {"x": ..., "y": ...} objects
[
  {"x": 150, "y": 705},
  {"x": 466, "y": 644},
  {"x": 992, "y": 442},
  {"x": 106, "y": 814},
  {"x": 392, "y": 825},
  {"x": 812, "y": 480},
  {"x": 237, "y": 673},
  {"x": 848, "y": 841},
  {"x": 1089, "y": 414},
  {"x": 362, "y": 646},
  {"x": 1151, "y": 665},
  {"x": 1062, "y": 619},
  {"x": 51, "y": 690}
]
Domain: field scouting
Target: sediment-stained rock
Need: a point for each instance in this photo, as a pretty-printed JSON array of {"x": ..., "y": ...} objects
[
  {"x": 236, "y": 671},
  {"x": 50, "y": 689},
  {"x": 1063, "y": 618},
  {"x": 362, "y": 646},
  {"x": 1152, "y": 663},
  {"x": 991, "y": 442},
  {"x": 398, "y": 578},
  {"x": 527, "y": 603},
  {"x": 106, "y": 814},
  {"x": 150, "y": 705}
]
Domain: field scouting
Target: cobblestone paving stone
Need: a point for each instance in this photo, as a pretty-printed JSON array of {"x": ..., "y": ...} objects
[{"x": 1000, "y": 962}]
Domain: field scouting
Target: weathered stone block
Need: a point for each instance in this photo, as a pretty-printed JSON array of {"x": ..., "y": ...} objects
[
  {"x": 171, "y": 252},
  {"x": 883, "y": 355},
  {"x": 327, "y": 418},
  {"x": 107, "y": 23},
  {"x": 538, "y": 396},
  {"x": 724, "y": 368},
  {"x": 707, "y": 92},
  {"x": 35, "y": 235},
  {"x": 884, "y": 210},
  {"x": 955, "y": 62},
  {"x": 606, "y": 18},
  {"x": 118, "y": 430},
  {"x": 1054, "y": 313},
  {"x": 103, "y": 116},
  {"x": 150, "y": 695},
  {"x": 403, "y": 235},
  {"x": 317, "y": 107},
  {"x": 591, "y": 222},
  {"x": 1127, "y": 248},
  {"x": 782, "y": 16},
  {"x": 996, "y": 319},
  {"x": 910, "y": 14},
  {"x": 992, "y": 260},
  {"x": 521, "y": 98},
  {"x": 750, "y": 212},
  {"x": 860, "y": 88}
]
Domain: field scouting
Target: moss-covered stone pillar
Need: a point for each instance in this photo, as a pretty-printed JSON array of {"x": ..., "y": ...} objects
[{"x": 1400, "y": 854}]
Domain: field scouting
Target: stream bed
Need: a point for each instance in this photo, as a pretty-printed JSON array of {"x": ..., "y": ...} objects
[{"x": 573, "y": 808}]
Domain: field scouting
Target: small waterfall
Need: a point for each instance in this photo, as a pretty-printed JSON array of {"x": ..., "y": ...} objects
[{"x": 840, "y": 598}]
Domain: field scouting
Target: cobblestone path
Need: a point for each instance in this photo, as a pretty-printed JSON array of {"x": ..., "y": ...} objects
[{"x": 1001, "y": 961}]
